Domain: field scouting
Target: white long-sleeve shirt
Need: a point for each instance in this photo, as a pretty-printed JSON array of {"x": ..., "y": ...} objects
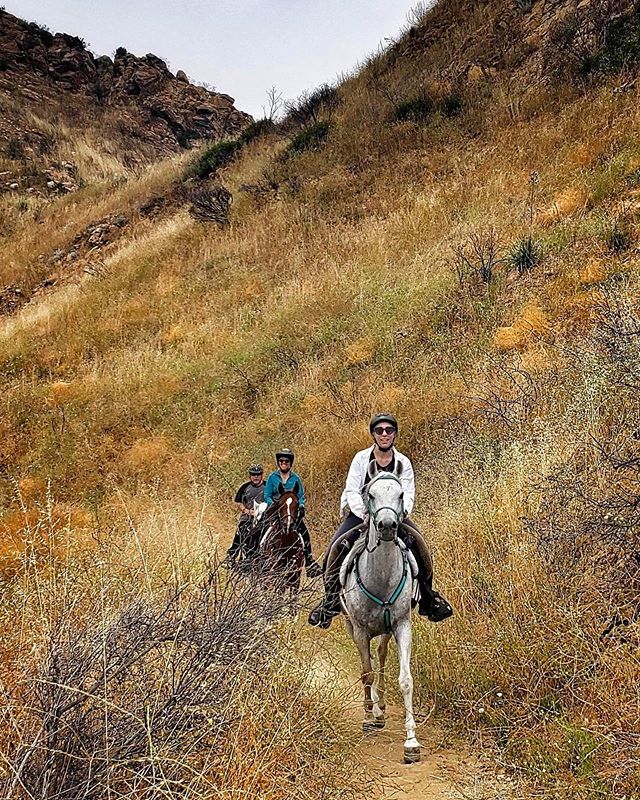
[{"x": 352, "y": 494}]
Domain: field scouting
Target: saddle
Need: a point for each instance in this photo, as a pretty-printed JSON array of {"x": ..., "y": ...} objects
[{"x": 359, "y": 547}]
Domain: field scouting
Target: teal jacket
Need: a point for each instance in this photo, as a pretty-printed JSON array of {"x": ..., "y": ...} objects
[{"x": 274, "y": 482}]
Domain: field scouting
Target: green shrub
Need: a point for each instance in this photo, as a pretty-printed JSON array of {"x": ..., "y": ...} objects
[
  {"x": 214, "y": 157},
  {"x": 416, "y": 109},
  {"x": 451, "y": 106},
  {"x": 621, "y": 45},
  {"x": 306, "y": 109},
  {"x": 524, "y": 255},
  {"x": 257, "y": 129},
  {"x": 310, "y": 138},
  {"x": 618, "y": 238}
]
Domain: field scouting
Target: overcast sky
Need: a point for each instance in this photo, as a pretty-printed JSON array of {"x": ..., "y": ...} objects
[{"x": 241, "y": 47}]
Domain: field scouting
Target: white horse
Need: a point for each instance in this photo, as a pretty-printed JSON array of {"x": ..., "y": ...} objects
[{"x": 377, "y": 579}]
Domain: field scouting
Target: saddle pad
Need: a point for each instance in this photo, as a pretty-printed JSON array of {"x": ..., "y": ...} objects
[{"x": 347, "y": 564}]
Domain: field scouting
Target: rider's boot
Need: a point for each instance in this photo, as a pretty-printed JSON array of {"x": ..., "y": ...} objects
[
  {"x": 431, "y": 604},
  {"x": 314, "y": 570},
  {"x": 329, "y": 607}
]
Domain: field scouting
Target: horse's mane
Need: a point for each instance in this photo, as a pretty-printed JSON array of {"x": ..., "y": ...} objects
[
  {"x": 381, "y": 475},
  {"x": 285, "y": 496}
]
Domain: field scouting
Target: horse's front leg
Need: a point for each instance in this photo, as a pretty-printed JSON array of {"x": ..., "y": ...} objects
[
  {"x": 403, "y": 638},
  {"x": 378, "y": 688},
  {"x": 363, "y": 643}
]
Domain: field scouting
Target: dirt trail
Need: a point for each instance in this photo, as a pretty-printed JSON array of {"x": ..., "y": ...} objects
[{"x": 448, "y": 770}]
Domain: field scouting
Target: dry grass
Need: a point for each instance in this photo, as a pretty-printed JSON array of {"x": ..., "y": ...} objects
[{"x": 134, "y": 665}]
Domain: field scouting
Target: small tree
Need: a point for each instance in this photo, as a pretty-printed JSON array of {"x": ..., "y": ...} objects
[{"x": 477, "y": 258}]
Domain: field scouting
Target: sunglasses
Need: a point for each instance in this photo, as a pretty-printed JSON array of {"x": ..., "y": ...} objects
[
  {"x": 284, "y": 461},
  {"x": 380, "y": 430}
]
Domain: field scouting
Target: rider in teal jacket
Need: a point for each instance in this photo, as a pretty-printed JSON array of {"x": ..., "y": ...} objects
[
  {"x": 284, "y": 480},
  {"x": 273, "y": 490}
]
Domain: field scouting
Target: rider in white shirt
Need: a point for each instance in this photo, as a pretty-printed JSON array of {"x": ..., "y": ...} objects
[{"x": 384, "y": 429}]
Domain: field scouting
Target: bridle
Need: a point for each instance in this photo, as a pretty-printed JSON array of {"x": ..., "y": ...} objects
[
  {"x": 373, "y": 515},
  {"x": 284, "y": 522}
]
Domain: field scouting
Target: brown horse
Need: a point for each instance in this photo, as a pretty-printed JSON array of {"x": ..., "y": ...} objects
[{"x": 281, "y": 545}]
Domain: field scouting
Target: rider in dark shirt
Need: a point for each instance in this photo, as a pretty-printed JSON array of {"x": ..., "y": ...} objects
[{"x": 250, "y": 492}]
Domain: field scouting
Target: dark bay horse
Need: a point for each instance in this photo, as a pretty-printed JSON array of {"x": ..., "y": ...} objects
[{"x": 281, "y": 545}]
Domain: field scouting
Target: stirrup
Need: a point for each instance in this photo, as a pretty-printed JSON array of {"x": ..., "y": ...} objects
[{"x": 322, "y": 615}]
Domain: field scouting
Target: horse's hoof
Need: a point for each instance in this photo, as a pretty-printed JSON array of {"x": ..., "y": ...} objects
[
  {"x": 379, "y": 723},
  {"x": 370, "y": 726},
  {"x": 411, "y": 755}
]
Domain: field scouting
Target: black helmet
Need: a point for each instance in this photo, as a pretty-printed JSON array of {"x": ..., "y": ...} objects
[
  {"x": 285, "y": 453},
  {"x": 256, "y": 469},
  {"x": 383, "y": 416}
]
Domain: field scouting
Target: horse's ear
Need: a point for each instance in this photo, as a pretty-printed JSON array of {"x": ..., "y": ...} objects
[
  {"x": 296, "y": 489},
  {"x": 373, "y": 469},
  {"x": 399, "y": 469},
  {"x": 281, "y": 489}
]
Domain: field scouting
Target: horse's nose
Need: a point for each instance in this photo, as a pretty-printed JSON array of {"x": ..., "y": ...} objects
[{"x": 387, "y": 524}]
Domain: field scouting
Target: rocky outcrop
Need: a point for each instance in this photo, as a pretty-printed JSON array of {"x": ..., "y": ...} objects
[{"x": 168, "y": 109}]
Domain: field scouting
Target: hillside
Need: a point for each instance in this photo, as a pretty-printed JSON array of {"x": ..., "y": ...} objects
[
  {"x": 452, "y": 234},
  {"x": 69, "y": 116}
]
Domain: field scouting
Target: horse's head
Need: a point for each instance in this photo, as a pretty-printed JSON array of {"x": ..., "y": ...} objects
[
  {"x": 287, "y": 508},
  {"x": 258, "y": 512},
  {"x": 384, "y": 499}
]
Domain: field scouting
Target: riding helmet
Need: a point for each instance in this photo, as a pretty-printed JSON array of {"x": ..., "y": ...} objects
[
  {"x": 285, "y": 453},
  {"x": 256, "y": 469},
  {"x": 383, "y": 416}
]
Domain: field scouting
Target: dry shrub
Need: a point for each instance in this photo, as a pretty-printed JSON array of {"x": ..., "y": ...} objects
[
  {"x": 146, "y": 457},
  {"x": 581, "y": 310},
  {"x": 40, "y": 534},
  {"x": 337, "y": 459},
  {"x": 594, "y": 272},
  {"x": 566, "y": 203},
  {"x": 314, "y": 404},
  {"x": 167, "y": 283},
  {"x": 587, "y": 153},
  {"x": 63, "y": 392},
  {"x": 135, "y": 310},
  {"x": 31, "y": 488},
  {"x": 532, "y": 324},
  {"x": 174, "y": 334},
  {"x": 389, "y": 397},
  {"x": 188, "y": 691},
  {"x": 361, "y": 351}
]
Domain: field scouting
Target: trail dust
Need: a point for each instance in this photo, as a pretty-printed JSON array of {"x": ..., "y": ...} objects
[{"x": 447, "y": 770}]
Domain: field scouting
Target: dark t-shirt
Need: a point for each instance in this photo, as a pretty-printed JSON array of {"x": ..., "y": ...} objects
[
  {"x": 247, "y": 493},
  {"x": 389, "y": 468}
]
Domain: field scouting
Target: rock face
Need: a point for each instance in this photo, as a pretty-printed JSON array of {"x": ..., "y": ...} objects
[
  {"x": 168, "y": 109},
  {"x": 526, "y": 43}
]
